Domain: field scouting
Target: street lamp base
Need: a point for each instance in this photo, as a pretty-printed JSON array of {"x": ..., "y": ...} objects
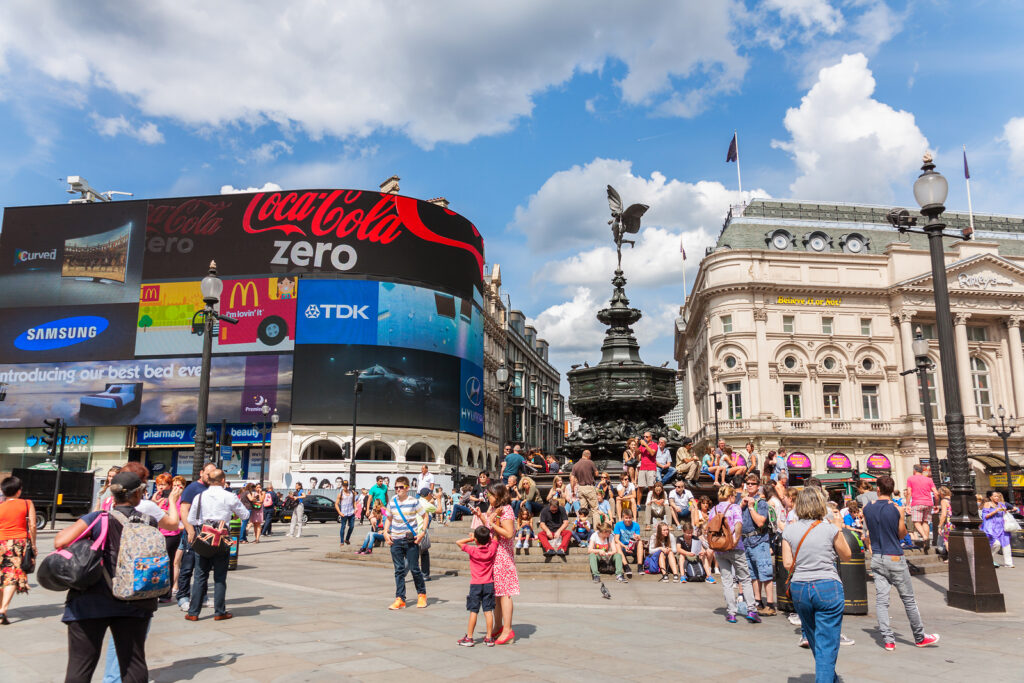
[{"x": 972, "y": 574}]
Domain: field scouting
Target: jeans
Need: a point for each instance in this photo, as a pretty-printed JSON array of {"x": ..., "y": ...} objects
[
  {"x": 188, "y": 561},
  {"x": 296, "y": 526},
  {"x": 458, "y": 510},
  {"x": 820, "y": 606},
  {"x": 371, "y": 538},
  {"x": 85, "y": 643},
  {"x": 405, "y": 555},
  {"x": 535, "y": 507},
  {"x": 219, "y": 565},
  {"x": 349, "y": 520},
  {"x": 572, "y": 508},
  {"x": 268, "y": 520},
  {"x": 666, "y": 474},
  {"x": 733, "y": 566},
  {"x": 894, "y": 573}
]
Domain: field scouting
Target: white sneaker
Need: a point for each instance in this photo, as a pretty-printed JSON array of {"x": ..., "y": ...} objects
[
  {"x": 794, "y": 618},
  {"x": 183, "y": 604},
  {"x": 843, "y": 640}
]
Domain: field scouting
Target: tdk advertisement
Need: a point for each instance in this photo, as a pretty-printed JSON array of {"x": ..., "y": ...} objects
[{"x": 337, "y": 312}]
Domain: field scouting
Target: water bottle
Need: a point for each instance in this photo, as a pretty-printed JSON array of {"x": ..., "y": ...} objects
[{"x": 741, "y": 605}]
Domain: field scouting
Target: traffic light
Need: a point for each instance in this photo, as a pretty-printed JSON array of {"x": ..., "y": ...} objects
[
  {"x": 51, "y": 435},
  {"x": 210, "y": 451},
  {"x": 346, "y": 448}
]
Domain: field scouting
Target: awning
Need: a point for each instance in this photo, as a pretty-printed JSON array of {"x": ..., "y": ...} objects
[
  {"x": 995, "y": 462},
  {"x": 829, "y": 477}
]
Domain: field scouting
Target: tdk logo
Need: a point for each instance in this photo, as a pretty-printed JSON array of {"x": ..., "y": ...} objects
[
  {"x": 337, "y": 311},
  {"x": 21, "y": 256},
  {"x": 60, "y": 333}
]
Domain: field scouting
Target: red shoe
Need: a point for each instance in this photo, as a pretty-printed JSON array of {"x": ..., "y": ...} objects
[
  {"x": 507, "y": 639},
  {"x": 931, "y": 639}
]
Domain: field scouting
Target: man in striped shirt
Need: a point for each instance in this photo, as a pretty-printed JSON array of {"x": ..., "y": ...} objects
[{"x": 404, "y": 529}]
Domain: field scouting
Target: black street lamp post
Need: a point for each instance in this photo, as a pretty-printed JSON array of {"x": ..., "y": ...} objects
[
  {"x": 717, "y": 406},
  {"x": 1004, "y": 428},
  {"x": 357, "y": 386},
  {"x": 972, "y": 579},
  {"x": 923, "y": 366},
  {"x": 263, "y": 451}
]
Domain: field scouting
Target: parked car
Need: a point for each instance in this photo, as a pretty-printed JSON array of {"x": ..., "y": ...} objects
[
  {"x": 76, "y": 489},
  {"x": 315, "y": 509}
]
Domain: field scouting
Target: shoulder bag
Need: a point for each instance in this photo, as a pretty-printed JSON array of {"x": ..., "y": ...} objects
[
  {"x": 796, "y": 553},
  {"x": 78, "y": 566},
  {"x": 210, "y": 541},
  {"x": 28, "y": 559}
]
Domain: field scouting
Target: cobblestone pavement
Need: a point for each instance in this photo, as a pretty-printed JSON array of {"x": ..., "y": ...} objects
[{"x": 298, "y": 618}]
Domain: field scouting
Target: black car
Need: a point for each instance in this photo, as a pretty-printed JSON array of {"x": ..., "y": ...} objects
[{"x": 315, "y": 509}]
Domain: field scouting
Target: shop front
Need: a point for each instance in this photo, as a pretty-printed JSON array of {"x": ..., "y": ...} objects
[
  {"x": 86, "y": 449},
  {"x": 799, "y": 465},
  {"x": 878, "y": 464},
  {"x": 170, "y": 448}
]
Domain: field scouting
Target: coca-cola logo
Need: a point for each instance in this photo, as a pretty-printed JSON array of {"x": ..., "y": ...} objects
[{"x": 170, "y": 227}]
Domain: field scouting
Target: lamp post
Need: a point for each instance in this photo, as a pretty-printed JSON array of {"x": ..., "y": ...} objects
[
  {"x": 972, "y": 578},
  {"x": 265, "y": 409},
  {"x": 357, "y": 386},
  {"x": 717, "y": 406},
  {"x": 1003, "y": 429},
  {"x": 211, "y": 288},
  {"x": 923, "y": 365},
  {"x": 501, "y": 375}
]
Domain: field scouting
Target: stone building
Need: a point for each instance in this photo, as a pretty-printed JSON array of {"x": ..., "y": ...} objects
[{"x": 534, "y": 404}]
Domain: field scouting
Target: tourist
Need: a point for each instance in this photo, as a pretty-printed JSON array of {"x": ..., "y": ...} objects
[
  {"x": 757, "y": 546},
  {"x": 256, "y": 513},
  {"x": 711, "y": 465},
  {"x": 557, "y": 492},
  {"x": 554, "y": 524},
  {"x": 687, "y": 462},
  {"x": 628, "y": 533},
  {"x": 582, "y": 529},
  {"x": 529, "y": 496},
  {"x": 478, "y": 496},
  {"x": 270, "y": 503},
  {"x": 17, "y": 537},
  {"x": 426, "y": 485},
  {"x": 164, "y": 485},
  {"x": 865, "y": 493},
  {"x": 500, "y": 521},
  {"x": 631, "y": 458},
  {"x": 921, "y": 502},
  {"x": 661, "y": 553},
  {"x": 647, "y": 471},
  {"x": 886, "y": 526},
  {"x": 751, "y": 458},
  {"x": 810, "y": 549},
  {"x": 781, "y": 473},
  {"x": 552, "y": 465},
  {"x": 403, "y": 533},
  {"x": 731, "y": 462},
  {"x": 440, "y": 501},
  {"x": 679, "y": 501},
  {"x": 513, "y": 494},
  {"x": 481, "y": 548},
  {"x": 212, "y": 507},
  {"x": 376, "y": 533},
  {"x": 625, "y": 497},
  {"x": 294, "y": 502},
  {"x": 945, "y": 521},
  {"x": 345, "y": 506},
  {"x": 701, "y": 512},
  {"x": 995, "y": 529},
  {"x": 525, "y": 534},
  {"x": 694, "y": 557},
  {"x": 514, "y": 463},
  {"x": 245, "y": 496},
  {"x": 104, "y": 499},
  {"x": 378, "y": 492},
  {"x": 89, "y": 613},
  {"x": 663, "y": 459},
  {"x": 188, "y": 557},
  {"x": 572, "y": 498},
  {"x": 605, "y": 553},
  {"x": 776, "y": 506},
  {"x": 732, "y": 561},
  {"x": 585, "y": 474},
  {"x": 657, "y": 504},
  {"x": 461, "y": 507},
  {"x": 178, "y": 484}
]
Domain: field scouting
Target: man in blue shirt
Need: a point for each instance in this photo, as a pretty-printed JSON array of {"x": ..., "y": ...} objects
[
  {"x": 628, "y": 532},
  {"x": 886, "y": 525},
  {"x": 757, "y": 545},
  {"x": 514, "y": 463},
  {"x": 663, "y": 459}
]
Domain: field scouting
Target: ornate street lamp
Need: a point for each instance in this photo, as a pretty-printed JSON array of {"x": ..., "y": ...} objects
[
  {"x": 1003, "y": 429},
  {"x": 972, "y": 578}
]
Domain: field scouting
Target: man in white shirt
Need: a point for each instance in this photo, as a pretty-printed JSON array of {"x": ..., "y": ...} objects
[
  {"x": 426, "y": 482},
  {"x": 663, "y": 458},
  {"x": 211, "y": 507},
  {"x": 679, "y": 500}
]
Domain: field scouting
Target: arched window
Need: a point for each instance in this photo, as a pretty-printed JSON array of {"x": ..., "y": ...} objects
[
  {"x": 982, "y": 387},
  {"x": 323, "y": 449},
  {"x": 469, "y": 459},
  {"x": 375, "y": 450},
  {"x": 419, "y": 452},
  {"x": 451, "y": 456}
]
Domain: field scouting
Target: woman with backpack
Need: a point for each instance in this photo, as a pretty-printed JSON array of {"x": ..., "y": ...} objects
[
  {"x": 17, "y": 537},
  {"x": 724, "y": 534},
  {"x": 89, "y": 613}
]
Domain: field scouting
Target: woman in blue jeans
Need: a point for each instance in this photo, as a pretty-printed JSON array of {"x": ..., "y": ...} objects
[{"x": 811, "y": 547}]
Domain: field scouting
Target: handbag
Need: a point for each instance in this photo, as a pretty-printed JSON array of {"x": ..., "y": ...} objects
[
  {"x": 211, "y": 541},
  {"x": 28, "y": 560},
  {"x": 78, "y": 566},
  {"x": 1010, "y": 522},
  {"x": 789, "y": 578}
]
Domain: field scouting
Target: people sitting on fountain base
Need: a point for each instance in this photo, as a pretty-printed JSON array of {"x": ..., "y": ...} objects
[
  {"x": 628, "y": 532},
  {"x": 554, "y": 526}
]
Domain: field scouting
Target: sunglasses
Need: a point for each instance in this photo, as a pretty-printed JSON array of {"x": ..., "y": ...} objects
[{"x": 401, "y": 488}]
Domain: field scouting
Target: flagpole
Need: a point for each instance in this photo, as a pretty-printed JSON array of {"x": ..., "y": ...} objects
[
  {"x": 739, "y": 180},
  {"x": 682, "y": 253},
  {"x": 967, "y": 179}
]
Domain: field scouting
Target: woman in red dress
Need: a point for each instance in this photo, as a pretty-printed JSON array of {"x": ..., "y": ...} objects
[{"x": 501, "y": 520}]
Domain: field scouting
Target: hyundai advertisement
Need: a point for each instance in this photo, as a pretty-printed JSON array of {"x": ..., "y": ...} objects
[
  {"x": 156, "y": 391},
  {"x": 400, "y": 387},
  {"x": 39, "y": 335},
  {"x": 263, "y": 307}
]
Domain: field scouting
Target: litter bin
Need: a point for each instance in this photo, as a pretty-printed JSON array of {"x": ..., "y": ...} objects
[
  {"x": 854, "y": 576},
  {"x": 236, "y": 535}
]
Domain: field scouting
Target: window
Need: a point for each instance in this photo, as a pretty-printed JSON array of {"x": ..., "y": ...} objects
[
  {"x": 931, "y": 392},
  {"x": 977, "y": 334},
  {"x": 533, "y": 394},
  {"x": 787, "y": 324},
  {"x": 555, "y": 410},
  {"x": 865, "y": 326},
  {"x": 927, "y": 330},
  {"x": 867, "y": 364},
  {"x": 789, "y": 362},
  {"x": 733, "y": 401},
  {"x": 517, "y": 390},
  {"x": 830, "y": 396},
  {"x": 869, "y": 397},
  {"x": 791, "y": 400},
  {"x": 730, "y": 362},
  {"x": 982, "y": 388},
  {"x": 826, "y": 325},
  {"x": 726, "y": 323},
  {"x": 829, "y": 363}
]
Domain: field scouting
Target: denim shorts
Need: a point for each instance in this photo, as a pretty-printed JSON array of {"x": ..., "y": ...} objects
[
  {"x": 480, "y": 598},
  {"x": 759, "y": 557}
]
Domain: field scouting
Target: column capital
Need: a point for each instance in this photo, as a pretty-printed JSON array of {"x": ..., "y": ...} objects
[
  {"x": 905, "y": 315},
  {"x": 760, "y": 315},
  {"x": 961, "y": 318},
  {"x": 1015, "y": 321}
]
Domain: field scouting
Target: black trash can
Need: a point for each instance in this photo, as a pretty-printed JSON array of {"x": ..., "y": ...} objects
[
  {"x": 235, "y": 525},
  {"x": 854, "y": 576}
]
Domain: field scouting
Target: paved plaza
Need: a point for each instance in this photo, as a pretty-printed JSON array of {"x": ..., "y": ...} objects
[{"x": 298, "y": 618}]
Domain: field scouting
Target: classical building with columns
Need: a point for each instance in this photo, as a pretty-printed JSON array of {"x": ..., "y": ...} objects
[{"x": 800, "y": 323}]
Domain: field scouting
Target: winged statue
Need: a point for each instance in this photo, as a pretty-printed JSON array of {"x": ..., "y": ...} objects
[{"x": 623, "y": 221}]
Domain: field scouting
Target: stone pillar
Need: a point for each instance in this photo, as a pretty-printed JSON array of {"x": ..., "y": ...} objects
[
  {"x": 910, "y": 382},
  {"x": 761, "y": 352},
  {"x": 1016, "y": 361},
  {"x": 963, "y": 365}
]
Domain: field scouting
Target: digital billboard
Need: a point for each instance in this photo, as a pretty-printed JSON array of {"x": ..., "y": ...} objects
[
  {"x": 55, "y": 333},
  {"x": 264, "y": 308},
  {"x": 72, "y": 254},
  {"x": 350, "y": 232},
  {"x": 471, "y": 398},
  {"x": 401, "y": 387},
  {"x": 155, "y": 391}
]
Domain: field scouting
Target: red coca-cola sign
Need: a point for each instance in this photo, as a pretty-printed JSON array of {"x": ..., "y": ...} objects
[{"x": 191, "y": 217}]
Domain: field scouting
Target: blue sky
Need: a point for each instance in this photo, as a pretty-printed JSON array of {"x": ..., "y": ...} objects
[{"x": 520, "y": 113}]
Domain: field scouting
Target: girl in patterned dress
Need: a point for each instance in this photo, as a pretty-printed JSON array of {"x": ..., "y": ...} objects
[{"x": 500, "y": 519}]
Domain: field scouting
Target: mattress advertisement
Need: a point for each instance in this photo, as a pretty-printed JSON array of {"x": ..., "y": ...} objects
[
  {"x": 263, "y": 307},
  {"x": 155, "y": 391},
  {"x": 39, "y": 335}
]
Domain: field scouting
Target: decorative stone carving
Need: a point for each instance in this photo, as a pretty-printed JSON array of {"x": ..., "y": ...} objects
[
  {"x": 760, "y": 315},
  {"x": 1015, "y": 321},
  {"x": 961, "y": 318},
  {"x": 906, "y": 315}
]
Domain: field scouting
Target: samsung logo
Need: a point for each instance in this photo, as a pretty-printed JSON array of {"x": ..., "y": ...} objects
[{"x": 60, "y": 333}]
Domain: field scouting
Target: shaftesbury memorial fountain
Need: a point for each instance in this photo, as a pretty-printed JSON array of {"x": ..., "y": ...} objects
[{"x": 621, "y": 396}]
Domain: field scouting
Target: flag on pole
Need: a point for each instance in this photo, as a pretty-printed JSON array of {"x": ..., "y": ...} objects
[
  {"x": 967, "y": 172},
  {"x": 734, "y": 153},
  {"x": 681, "y": 250}
]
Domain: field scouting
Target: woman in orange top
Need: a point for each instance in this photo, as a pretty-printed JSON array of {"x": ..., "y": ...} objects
[{"x": 17, "y": 531}]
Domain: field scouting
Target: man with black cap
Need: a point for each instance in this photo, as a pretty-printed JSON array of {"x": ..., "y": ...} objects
[{"x": 687, "y": 462}]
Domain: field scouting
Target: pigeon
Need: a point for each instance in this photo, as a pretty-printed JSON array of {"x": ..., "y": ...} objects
[
  {"x": 604, "y": 592},
  {"x": 586, "y": 364},
  {"x": 575, "y": 366},
  {"x": 665, "y": 364}
]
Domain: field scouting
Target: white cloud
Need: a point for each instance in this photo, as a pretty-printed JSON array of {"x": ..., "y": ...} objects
[
  {"x": 266, "y": 152},
  {"x": 809, "y": 13},
  {"x": 570, "y": 327},
  {"x": 847, "y": 145},
  {"x": 1013, "y": 132},
  {"x": 570, "y": 209},
  {"x": 267, "y": 187},
  {"x": 441, "y": 71},
  {"x": 113, "y": 126}
]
